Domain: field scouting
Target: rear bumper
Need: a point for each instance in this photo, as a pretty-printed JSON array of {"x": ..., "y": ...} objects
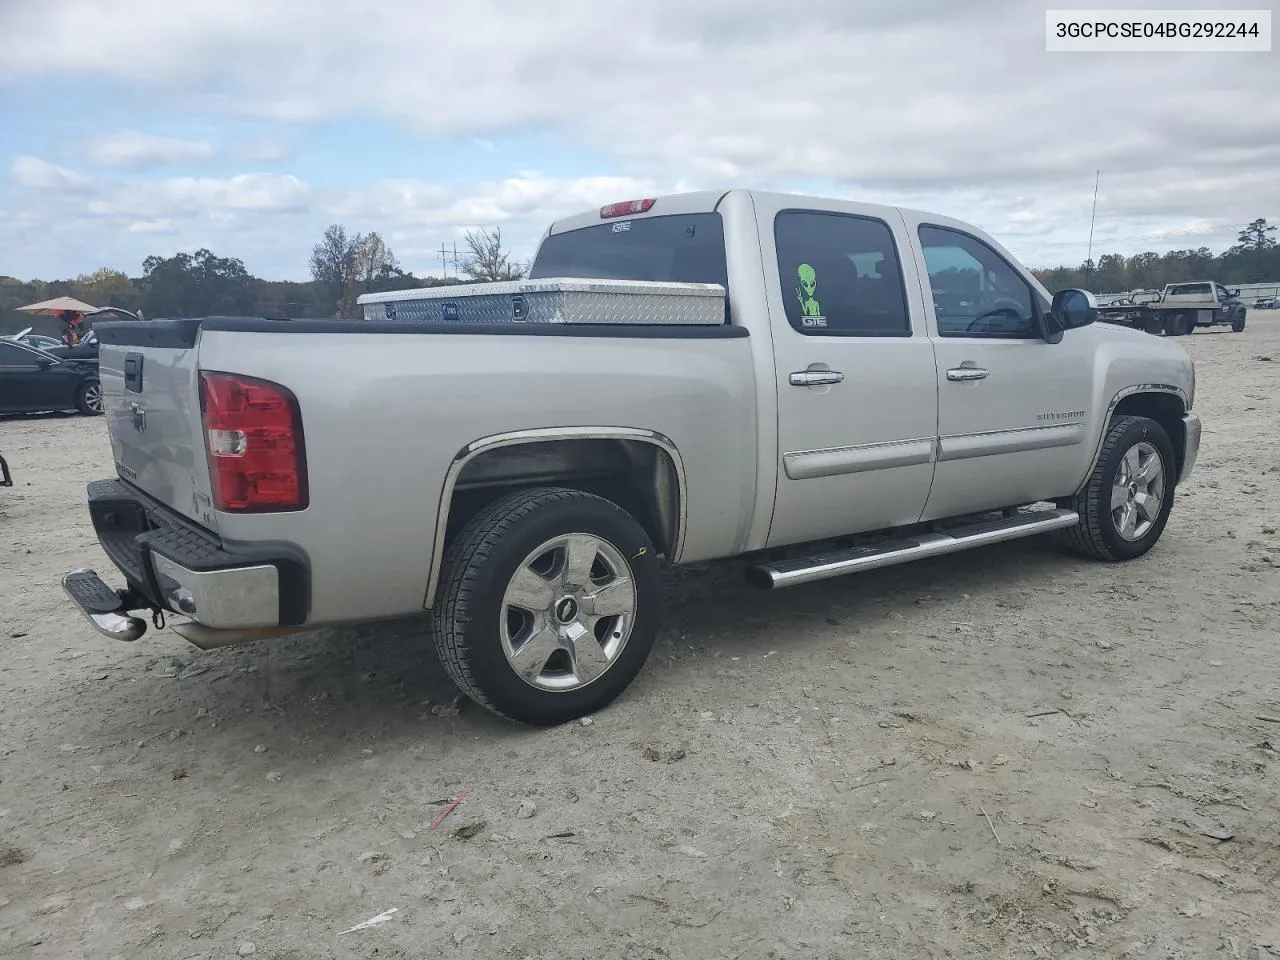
[
  {"x": 1191, "y": 445},
  {"x": 181, "y": 567}
]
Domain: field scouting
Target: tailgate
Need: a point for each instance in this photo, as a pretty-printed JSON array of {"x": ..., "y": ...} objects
[{"x": 151, "y": 391}]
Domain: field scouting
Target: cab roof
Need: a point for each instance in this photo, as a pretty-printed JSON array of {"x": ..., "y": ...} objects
[{"x": 707, "y": 201}]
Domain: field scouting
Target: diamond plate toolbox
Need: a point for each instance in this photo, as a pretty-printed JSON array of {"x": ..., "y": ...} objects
[{"x": 554, "y": 301}]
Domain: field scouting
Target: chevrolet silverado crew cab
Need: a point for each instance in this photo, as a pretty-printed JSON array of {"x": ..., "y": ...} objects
[{"x": 807, "y": 388}]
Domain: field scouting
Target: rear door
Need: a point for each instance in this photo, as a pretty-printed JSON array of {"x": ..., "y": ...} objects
[
  {"x": 856, "y": 381},
  {"x": 151, "y": 391}
]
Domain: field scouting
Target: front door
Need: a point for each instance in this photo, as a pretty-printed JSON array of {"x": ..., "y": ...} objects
[
  {"x": 857, "y": 388},
  {"x": 1223, "y": 313},
  {"x": 1012, "y": 407}
]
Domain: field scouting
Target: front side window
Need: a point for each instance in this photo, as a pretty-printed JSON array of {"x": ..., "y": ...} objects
[
  {"x": 840, "y": 275},
  {"x": 976, "y": 293}
]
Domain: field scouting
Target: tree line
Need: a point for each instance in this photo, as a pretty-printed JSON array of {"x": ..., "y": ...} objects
[
  {"x": 344, "y": 265},
  {"x": 1254, "y": 258}
]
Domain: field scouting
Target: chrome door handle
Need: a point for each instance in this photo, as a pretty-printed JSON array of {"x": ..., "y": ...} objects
[
  {"x": 815, "y": 378},
  {"x": 968, "y": 373}
]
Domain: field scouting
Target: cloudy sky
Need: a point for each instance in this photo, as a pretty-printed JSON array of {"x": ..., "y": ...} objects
[{"x": 133, "y": 127}]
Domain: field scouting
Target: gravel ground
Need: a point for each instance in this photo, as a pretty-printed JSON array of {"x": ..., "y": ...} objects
[{"x": 1010, "y": 753}]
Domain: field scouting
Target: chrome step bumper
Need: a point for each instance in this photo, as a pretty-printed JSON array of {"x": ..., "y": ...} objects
[{"x": 102, "y": 606}]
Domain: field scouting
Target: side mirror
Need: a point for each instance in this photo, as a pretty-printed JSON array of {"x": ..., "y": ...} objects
[{"x": 1074, "y": 308}]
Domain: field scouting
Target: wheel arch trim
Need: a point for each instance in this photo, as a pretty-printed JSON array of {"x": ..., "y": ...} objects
[
  {"x": 1163, "y": 388},
  {"x": 545, "y": 435}
]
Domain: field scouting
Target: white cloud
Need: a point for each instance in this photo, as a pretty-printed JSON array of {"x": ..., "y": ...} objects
[
  {"x": 195, "y": 196},
  {"x": 163, "y": 225},
  {"x": 943, "y": 105},
  {"x": 270, "y": 147},
  {"x": 39, "y": 174},
  {"x": 278, "y": 216},
  {"x": 143, "y": 150}
]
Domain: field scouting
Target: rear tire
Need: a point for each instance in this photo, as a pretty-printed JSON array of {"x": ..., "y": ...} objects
[
  {"x": 1177, "y": 325},
  {"x": 89, "y": 398},
  {"x": 549, "y": 605},
  {"x": 1125, "y": 504}
]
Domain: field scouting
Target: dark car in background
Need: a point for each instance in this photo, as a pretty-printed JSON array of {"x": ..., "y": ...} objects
[
  {"x": 37, "y": 340},
  {"x": 86, "y": 349},
  {"x": 33, "y": 381}
]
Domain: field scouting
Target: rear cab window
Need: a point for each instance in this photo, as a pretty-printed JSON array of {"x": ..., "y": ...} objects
[{"x": 677, "y": 248}]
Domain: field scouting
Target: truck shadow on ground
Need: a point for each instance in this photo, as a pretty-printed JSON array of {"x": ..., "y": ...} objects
[{"x": 384, "y": 682}]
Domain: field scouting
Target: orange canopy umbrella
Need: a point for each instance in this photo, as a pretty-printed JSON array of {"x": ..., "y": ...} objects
[{"x": 51, "y": 308}]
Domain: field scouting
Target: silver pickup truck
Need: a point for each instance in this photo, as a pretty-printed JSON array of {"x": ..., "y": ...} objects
[{"x": 876, "y": 385}]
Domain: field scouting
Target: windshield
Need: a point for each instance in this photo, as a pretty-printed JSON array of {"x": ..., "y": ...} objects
[{"x": 681, "y": 248}]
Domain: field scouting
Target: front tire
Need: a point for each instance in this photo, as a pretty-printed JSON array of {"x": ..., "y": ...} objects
[
  {"x": 549, "y": 605},
  {"x": 1237, "y": 321},
  {"x": 89, "y": 399},
  {"x": 1125, "y": 504}
]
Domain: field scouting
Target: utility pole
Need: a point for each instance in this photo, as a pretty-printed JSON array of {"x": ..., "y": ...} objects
[
  {"x": 1092, "y": 218},
  {"x": 448, "y": 257}
]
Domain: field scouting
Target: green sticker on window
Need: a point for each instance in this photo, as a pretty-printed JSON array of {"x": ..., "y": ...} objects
[{"x": 806, "y": 287}]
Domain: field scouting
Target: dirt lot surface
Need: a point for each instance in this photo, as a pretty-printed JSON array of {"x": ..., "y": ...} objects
[{"x": 1011, "y": 753}]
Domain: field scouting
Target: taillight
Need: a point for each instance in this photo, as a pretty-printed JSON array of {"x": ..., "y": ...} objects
[
  {"x": 253, "y": 437},
  {"x": 626, "y": 208}
]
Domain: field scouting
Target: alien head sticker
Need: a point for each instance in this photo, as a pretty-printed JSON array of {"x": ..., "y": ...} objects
[{"x": 806, "y": 292}]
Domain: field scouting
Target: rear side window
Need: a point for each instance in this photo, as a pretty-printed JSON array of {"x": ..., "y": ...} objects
[
  {"x": 681, "y": 248},
  {"x": 12, "y": 355},
  {"x": 840, "y": 275}
]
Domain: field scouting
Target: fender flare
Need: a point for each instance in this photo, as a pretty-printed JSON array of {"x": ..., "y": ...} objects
[
  {"x": 544, "y": 435},
  {"x": 1166, "y": 388}
]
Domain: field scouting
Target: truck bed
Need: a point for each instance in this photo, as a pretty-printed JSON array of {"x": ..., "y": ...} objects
[{"x": 386, "y": 408}]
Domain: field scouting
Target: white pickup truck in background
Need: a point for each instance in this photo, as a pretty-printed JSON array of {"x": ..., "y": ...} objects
[{"x": 805, "y": 387}]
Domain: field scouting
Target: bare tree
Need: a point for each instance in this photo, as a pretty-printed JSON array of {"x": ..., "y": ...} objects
[
  {"x": 374, "y": 258},
  {"x": 333, "y": 264},
  {"x": 345, "y": 265},
  {"x": 487, "y": 260}
]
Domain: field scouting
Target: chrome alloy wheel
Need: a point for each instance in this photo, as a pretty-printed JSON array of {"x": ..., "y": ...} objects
[
  {"x": 567, "y": 612},
  {"x": 93, "y": 397},
  {"x": 1138, "y": 491}
]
